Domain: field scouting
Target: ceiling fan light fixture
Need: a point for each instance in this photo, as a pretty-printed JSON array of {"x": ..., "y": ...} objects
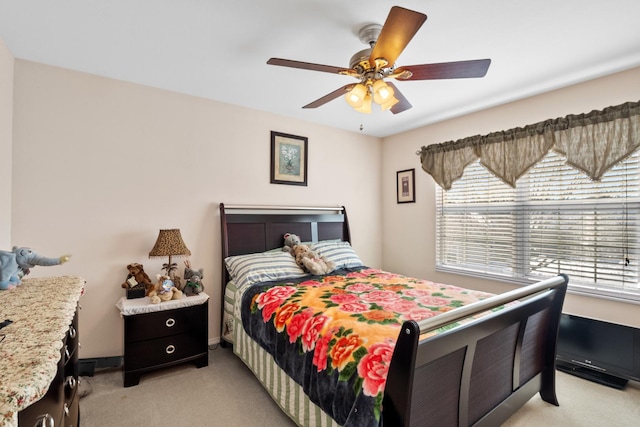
[
  {"x": 389, "y": 103},
  {"x": 356, "y": 96},
  {"x": 365, "y": 107},
  {"x": 382, "y": 92}
]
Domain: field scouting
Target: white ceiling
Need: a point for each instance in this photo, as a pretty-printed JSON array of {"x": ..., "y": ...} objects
[{"x": 217, "y": 49}]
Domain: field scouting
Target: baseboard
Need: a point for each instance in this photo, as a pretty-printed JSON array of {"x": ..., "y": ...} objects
[{"x": 87, "y": 367}]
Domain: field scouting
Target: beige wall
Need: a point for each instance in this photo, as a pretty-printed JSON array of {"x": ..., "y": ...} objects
[
  {"x": 411, "y": 249},
  {"x": 101, "y": 165},
  {"x": 6, "y": 136}
]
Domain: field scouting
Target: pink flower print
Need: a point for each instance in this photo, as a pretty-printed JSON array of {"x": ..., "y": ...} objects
[
  {"x": 381, "y": 297},
  {"x": 374, "y": 367},
  {"x": 417, "y": 293},
  {"x": 277, "y": 293},
  {"x": 355, "y": 307},
  {"x": 401, "y": 306},
  {"x": 360, "y": 287},
  {"x": 419, "y": 314},
  {"x": 296, "y": 325},
  {"x": 321, "y": 351},
  {"x": 434, "y": 301},
  {"x": 356, "y": 275},
  {"x": 343, "y": 298},
  {"x": 311, "y": 331},
  {"x": 310, "y": 283},
  {"x": 270, "y": 300},
  {"x": 388, "y": 276}
]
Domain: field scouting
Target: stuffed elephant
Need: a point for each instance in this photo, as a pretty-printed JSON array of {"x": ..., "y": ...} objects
[{"x": 15, "y": 264}]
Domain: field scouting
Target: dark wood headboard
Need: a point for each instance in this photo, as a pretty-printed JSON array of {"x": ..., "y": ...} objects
[{"x": 249, "y": 229}]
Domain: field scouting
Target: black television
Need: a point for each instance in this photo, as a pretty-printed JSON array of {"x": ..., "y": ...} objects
[{"x": 599, "y": 351}]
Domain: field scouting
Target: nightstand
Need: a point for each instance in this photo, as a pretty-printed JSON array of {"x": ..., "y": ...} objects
[{"x": 165, "y": 334}]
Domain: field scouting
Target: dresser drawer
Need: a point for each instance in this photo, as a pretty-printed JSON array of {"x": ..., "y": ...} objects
[
  {"x": 164, "y": 323},
  {"x": 60, "y": 403},
  {"x": 160, "y": 351}
]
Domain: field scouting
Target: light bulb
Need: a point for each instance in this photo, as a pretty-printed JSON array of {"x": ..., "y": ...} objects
[
  {"x": 389, "y": 103},
  {"x": 356, "y": 95},
  {"x": 365, "y": 107},
  {"x": 381, "y": 92}
]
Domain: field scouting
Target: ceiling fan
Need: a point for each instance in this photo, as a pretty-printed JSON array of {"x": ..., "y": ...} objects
[{"x": 373, "y": 65}]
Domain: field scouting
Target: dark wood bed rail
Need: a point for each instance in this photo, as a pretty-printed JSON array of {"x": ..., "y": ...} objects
[{"x": 482, "y": 372}]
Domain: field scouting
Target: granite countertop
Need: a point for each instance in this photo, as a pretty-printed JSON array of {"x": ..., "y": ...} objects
[{"x": 41, "y": 310}]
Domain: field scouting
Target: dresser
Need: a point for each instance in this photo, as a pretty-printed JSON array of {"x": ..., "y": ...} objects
[
  {"x": 39, "y": 353},
  {"x": 165, "y": 334}
]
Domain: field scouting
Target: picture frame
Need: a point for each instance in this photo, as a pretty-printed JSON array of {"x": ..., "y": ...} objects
[
  {"x": 288, "y": 159},
  {"x": 406, "y": 186}
]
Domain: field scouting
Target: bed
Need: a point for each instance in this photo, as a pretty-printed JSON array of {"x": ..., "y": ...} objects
[{"x": 473, "y": 359}]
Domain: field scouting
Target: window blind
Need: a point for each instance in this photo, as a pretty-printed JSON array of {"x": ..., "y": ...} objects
[{"x": 556, "y": 220}]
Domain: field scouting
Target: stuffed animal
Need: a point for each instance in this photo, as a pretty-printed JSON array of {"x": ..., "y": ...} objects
[
  {"x": 16, "y": 264},
  {"x": 311, "y": 261},
  {"x": 164, "y": 290},
  {"x": 137, "y": 279},
  {"x": 193, "y": 285},
  {"x": 290, "y": 241}
]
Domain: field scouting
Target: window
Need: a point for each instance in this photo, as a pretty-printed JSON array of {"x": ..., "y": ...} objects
[{"x": 557, "y": 220}]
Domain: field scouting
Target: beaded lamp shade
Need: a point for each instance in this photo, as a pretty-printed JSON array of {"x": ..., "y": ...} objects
[{"x": 169, "y": 243}]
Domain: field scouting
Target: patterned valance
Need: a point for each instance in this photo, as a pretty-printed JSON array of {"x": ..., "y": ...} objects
[{"x": 592, "y": 142}]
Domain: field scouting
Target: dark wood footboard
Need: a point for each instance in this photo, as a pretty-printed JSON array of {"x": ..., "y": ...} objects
[{"x": 480, "y": 373}]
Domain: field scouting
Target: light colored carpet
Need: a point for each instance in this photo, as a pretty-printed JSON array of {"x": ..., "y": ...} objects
[{"x": 227, "y": 394}]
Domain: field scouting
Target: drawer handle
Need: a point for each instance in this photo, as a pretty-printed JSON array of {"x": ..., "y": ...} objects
[
  {"x": 66, "y": 352},
  {"x": 45, "y": 420},
  {"x": 170, "y": 348},
  {"x": 71, "y": 382},
  {"x": 170, "y": 322},
  {"x": 66, "y": 410},
  {"x": 72, "y": 332}
]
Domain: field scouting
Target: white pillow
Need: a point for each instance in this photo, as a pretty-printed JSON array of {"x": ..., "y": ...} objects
[
  {"x": 262, "y": 267},
  {"x": 339, "y": 252}
]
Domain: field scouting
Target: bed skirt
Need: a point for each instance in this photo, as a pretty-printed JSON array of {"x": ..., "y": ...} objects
[{"x": 287, "y": 393}]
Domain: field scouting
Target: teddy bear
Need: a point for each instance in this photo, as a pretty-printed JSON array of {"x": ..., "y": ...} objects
[
  {"x": 290, "y": 241},
  {"x": 138, "y": 279},
  {"x": 164, "y": 290},
  {"x": 193, "y": 278},
  {"x": 309, "y": 260}
]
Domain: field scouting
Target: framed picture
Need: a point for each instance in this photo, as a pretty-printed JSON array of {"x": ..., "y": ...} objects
[
  {"x": 406, "y": 183},
  {"x": 288, "y": 159}
]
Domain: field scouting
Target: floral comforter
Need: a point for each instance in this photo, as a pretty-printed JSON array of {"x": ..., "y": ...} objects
[{"x": 335, "y": 335}]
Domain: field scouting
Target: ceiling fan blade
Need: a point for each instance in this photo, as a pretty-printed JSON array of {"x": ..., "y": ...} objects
[
  {"x": 330, "y": 96},
  {"x": 398, "y": 30},
  {"x": 403, "y": 104},
  {"x": 445, "y": 70},
  {"x": 306, "y": 65}
]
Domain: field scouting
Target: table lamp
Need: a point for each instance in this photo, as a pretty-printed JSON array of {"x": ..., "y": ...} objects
[{"x": 169, "y": 243}]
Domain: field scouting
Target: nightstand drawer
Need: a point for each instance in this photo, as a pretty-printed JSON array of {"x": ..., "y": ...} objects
[
  {"x": 156, "y": 352},
  {"x": 164, "y": 323}
]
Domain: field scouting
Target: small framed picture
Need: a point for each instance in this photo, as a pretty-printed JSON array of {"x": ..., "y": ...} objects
[
  {"x": 406, "y": 183},
  {"x": 288, "y": 159}
]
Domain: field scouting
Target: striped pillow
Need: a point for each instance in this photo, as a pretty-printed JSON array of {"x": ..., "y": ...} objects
[
  {"x": 339, "y": 252},
  {"x": 262, "y": 267}
]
